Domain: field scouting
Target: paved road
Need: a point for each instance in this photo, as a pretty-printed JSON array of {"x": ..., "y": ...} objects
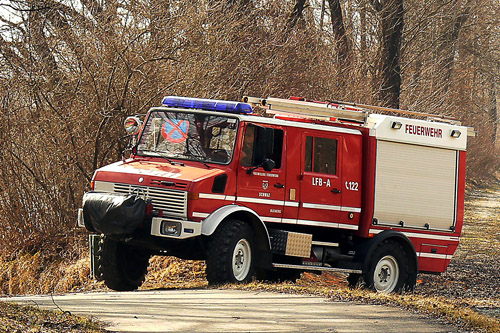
[{"x": 232, "y": 310}]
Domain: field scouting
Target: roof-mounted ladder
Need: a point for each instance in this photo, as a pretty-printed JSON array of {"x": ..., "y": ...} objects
[
  {"x": 336, "y": 109},
  {"x": 324, "y": 111}
]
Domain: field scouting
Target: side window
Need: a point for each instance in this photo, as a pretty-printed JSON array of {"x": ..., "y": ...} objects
[
  {"x": 260, "y": 143},
  {"x": 248, "y": 146},
  {"x": 321, "y": 155},
  {"x": 277, "y": 148}
]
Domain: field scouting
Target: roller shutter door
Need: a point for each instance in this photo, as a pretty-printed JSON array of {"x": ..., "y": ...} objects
[{"x": 415, "y": 184}]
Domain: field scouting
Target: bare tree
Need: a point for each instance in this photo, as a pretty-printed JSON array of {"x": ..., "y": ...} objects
[
  {"x": 391, "y": 14},
  {"x": 339, "y": 32}
]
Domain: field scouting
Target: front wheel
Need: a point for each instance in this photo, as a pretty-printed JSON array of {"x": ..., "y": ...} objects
[
  {"x": 387, "y": 268},
  {"x": 230, "y": 256},
  {"x": 122, "y": 267}
]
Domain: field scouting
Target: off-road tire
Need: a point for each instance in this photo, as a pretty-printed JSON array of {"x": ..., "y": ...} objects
[
  {"x": 233, "y": 240},
  {"x": 388, "y": 268},
  {"x": 122, "y": 267}
]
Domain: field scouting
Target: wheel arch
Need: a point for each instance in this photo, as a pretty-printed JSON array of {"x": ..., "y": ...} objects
[
  {"x": 367, "y": 248},
  {"x": 247, "y": 215}
]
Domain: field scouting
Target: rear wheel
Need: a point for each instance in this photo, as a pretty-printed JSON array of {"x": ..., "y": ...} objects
[
  {"x": 230, "y": 256},
  {"x": 388, "y": 269},
  {"x": 122, "y": 267}
]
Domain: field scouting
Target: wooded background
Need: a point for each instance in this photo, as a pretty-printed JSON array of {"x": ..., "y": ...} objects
[{"x": 72, "y": 70}]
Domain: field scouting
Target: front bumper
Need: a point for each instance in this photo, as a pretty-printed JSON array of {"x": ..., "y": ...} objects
[{"x": 185, "y": 229}]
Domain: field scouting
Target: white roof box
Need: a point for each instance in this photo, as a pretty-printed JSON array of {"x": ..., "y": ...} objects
[{"x": 419, "y": 132}]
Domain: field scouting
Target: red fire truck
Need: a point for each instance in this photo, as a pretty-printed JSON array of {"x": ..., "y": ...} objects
[{"x": 310, "y": 186}]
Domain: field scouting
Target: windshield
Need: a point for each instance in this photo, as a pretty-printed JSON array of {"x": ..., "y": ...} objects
[{"x": 190, "y": 136}]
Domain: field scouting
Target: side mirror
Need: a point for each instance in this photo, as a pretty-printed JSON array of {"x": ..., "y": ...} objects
[
  {"x": 268, "y": 164},
  {"x": 132, "y": 125}
]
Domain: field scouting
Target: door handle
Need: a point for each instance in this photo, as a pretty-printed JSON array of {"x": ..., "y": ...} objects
[
  {"x": 336, "y": 191},
  {"x": 278, "y": 185}
]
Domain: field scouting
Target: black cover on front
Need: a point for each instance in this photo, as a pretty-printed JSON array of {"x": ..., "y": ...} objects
[{"x": 113, "y": 213}]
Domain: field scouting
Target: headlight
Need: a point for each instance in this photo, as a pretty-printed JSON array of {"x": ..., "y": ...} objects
[{"x": 170, "y": 228}]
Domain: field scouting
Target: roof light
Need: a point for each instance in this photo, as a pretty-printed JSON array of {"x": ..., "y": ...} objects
[
  {"x": 396, "y": 124},
  {"x": 455, "y": 133},
  {"x": 206, "y": 104}
]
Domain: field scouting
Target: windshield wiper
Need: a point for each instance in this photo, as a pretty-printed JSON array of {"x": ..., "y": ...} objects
[{"x": 163, "y": 155}]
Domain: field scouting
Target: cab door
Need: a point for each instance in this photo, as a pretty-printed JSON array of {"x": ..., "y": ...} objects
[
  {"x": 260, "y": 187},
  {"x": 320, "y": 186}
]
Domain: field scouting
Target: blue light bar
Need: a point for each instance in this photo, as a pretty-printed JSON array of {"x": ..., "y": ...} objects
[{"x": 206, "y": 104}]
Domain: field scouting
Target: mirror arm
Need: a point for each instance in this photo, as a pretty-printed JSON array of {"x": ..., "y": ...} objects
[{"x": 251, "y": 170}]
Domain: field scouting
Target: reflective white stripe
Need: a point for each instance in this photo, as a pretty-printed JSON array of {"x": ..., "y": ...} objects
[
  {"x": 321, "y": 224},
  {"x": 320, "y": 206},
  {"x": 202, "y": 215},
  {"x": 329, "y": 207},
  {"x": 212, "y": 196},
  {"x": 217, "y": 196},
  {"x": 418, "y": 235},
  {"x": 351, "y": 209},
  {"x": 278, "y": 202},
  {"x": 271, "y": 219},
  {"x": 434, "y": 255},
  {"x": 262, "y": 201},
  {"x": 318, "y": 223},
  {"x": 348, "y": 226}
]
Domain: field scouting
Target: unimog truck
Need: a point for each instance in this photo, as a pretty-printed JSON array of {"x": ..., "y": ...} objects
[{"x": 309, "y": 186}]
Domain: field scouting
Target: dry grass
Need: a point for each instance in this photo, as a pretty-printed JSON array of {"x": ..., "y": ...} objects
[
  {"x": 21, "y": 318},
  {"x": 33, "y": 274}
]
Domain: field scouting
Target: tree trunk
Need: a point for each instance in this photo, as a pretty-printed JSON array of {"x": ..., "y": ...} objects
[
  {"x": 295, "y": 16},
  {"x": 343, "y": 47},
  {"x": 391, "y": 21},
  {"x": 449, "y": 47}
]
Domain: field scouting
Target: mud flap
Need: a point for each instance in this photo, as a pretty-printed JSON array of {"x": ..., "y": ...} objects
[{"x": 113, "y": 213}]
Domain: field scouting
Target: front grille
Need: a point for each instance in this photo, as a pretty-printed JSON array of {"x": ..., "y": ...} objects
[{"x": 171, "y": 202}]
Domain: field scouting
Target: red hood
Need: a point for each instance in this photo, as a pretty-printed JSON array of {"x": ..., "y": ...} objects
[{"x": 148, "y": 169}]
